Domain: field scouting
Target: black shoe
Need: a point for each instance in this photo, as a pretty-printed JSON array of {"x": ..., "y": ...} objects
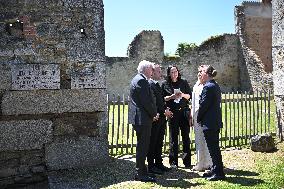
[
  {"x": 174, "y": 166},
  {"x": 144, "y": 178},
  {"x": 188, "y": 166},
  {"x": 164, "y": 168},
  {"x": 152, "y": 175},
  {"x": 207, "y": 174},
  {"x": 155, "y": 170},
  {"x": 215, "y": 178}
]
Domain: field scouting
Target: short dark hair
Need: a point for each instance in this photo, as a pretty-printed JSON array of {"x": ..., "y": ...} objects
[{"x": 210, "y": 70}]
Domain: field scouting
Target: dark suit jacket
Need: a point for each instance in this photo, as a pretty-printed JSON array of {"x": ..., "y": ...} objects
[
  {"x": 159, "y": 99},
  {"x": 209, "y": 113},
  {"x": 142, "y": 108}
]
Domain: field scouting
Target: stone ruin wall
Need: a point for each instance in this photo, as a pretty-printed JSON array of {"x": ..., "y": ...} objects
[
  {"x": 253, "y": 26},
  {"x": 258, "y": 32},
  {"x": 147, "y": 45},
  {"x": 223, "y": 53},
  {"x": 120, "y": 70},
  {"x": 278, "y": 60},
  {"x": 53, "y": 88},
  {"x": 249, "y": 64}
]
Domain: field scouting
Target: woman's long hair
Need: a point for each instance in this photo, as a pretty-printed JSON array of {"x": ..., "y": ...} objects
[{"x": 168, "y": 78}]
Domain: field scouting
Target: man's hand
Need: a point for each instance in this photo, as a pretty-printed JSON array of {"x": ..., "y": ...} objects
[{"x": 156, "y": 117}]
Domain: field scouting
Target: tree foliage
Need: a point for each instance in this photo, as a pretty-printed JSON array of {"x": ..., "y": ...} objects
[{"x": 184, "y": 48}]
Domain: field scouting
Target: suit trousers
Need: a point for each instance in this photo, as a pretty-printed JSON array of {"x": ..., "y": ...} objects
[
  {"x": 143, "y": 133},
  {"x": 179, "y": 121},
  {"x": 154, "y": 156},
  {"x": 212, "y": 140}
]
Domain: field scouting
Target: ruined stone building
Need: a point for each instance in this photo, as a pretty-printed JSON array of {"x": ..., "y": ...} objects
[
  {"x": 278, "y": 60},
  {"x": 55, "y": 76},
  {"x": 243, "y": 60},
  {"x": 52, "y": 89}
]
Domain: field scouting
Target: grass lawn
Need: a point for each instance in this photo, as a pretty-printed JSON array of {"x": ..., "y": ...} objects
[{"x": 243, "y": 167}]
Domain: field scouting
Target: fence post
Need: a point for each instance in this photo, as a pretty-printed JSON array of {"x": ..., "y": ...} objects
[
  {"x": 122, "y": 126},
  {"x": 112, "y": 125},
  {"x": 127, "y": 137},
  {"x": 226, "y": 120},
  {"x": 269, "y": 110},
  {"x": 118, "y": 121},
  {"x": 238, "y": 108},
  {"x": 246, "y": 122}
]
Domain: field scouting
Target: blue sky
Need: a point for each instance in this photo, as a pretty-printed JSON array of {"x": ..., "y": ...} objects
[{"x": 191, "y": 21}]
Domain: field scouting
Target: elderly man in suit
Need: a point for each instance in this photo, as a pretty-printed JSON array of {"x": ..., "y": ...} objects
[
  {"x": 142, "y": 113},
  {"x": 154, "y": 156},
  {"x": 210, "y": 118}
]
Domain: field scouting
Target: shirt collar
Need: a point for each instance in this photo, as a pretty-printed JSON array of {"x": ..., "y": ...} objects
[
  {"x": 144, "y": 75},
  {"x": 154, "y": 81}
]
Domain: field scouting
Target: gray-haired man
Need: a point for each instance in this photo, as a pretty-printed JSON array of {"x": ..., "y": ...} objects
[{"x": 142, "y": 112}]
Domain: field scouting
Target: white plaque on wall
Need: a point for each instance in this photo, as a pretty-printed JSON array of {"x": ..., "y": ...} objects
[
  {"x": 35, "y": 76},
  {"x": 89, "y": 77}
]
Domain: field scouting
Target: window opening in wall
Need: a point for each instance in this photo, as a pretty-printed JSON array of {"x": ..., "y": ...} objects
[{"x": 15, "y": 28}]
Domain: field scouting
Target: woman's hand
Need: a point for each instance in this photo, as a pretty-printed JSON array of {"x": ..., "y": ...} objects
[{"x": 168, "y": 113}]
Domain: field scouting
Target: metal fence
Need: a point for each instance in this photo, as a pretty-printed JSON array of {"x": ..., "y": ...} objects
[{"x": 244, "y": 115}]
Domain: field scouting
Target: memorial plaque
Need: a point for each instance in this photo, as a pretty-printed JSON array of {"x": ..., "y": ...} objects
[
  {"x": 35, "y": 76},
  {"x": 90, "y": 77}
]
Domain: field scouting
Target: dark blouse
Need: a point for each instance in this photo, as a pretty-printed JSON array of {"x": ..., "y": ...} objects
[{"x": 168, "y": 89}]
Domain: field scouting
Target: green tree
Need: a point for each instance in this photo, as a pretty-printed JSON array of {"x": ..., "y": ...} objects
[{"x": 184, "y": 48}]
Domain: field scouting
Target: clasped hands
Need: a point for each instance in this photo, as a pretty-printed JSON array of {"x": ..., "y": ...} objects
[{"x": 167, "y": 113}]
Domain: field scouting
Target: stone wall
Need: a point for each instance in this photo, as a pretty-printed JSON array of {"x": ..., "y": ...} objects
[
  {"x": 223, "y": 52},
  {"x": 147, "y": 45},
  {"x": 278, "y": 60},
  {"x": 53, "y": 88},
  {"x": 253, "y": 26},
  {"x": 245, "y": 64}
]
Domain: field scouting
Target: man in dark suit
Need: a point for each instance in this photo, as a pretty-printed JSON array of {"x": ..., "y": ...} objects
[
  {"x": 142, "y": 112},
  {"x": 154, "y": 156},
  {"x": 210, "y": 117}
]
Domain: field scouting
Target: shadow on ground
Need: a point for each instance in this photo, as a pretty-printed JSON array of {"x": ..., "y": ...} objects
[
  {"x": 242, "y": 177},
  {"x": 116, "y": 172}
]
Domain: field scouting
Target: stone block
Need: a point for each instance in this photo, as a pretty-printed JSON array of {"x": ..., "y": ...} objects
[
  {"x": 278, "y": 71},
  {"x": 277, "y": 23},
  {"x": 75, "y": 153},
  {"x": 24, "y": 134},
  {"x": 53, "y": 101},
  {"x": 85, "y": 49},
  {"x": 35, "y": 76},
  {"x": 8, "y": 172},
  {"x": 262, "y": 143},
  {"x": 5, "y": 77},
  {"x": 38, "y": 169},
  {"x": 92, "y": 75},
  {"x": 77, "y": 125}
]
